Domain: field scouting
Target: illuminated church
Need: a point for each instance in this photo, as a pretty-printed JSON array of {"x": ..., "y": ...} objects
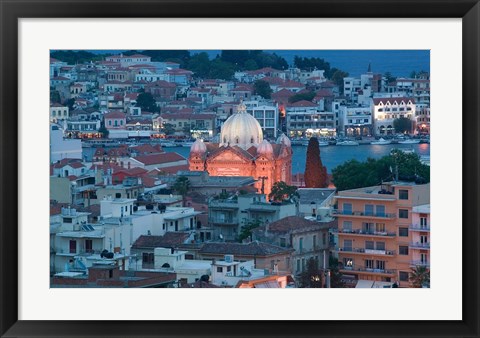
[{"x": 242, "y": 151}]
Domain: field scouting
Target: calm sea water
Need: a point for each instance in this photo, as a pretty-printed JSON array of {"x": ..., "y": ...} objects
[
  {"x": 331, "y": 156},
  {"x": 355, "y": 62}
]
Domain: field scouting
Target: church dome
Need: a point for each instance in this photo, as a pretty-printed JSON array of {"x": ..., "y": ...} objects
[
  {"x": 198, "y": 147},
  {"x": 285, "y": 140},
  {"x": 241, "y": 129},
  {"x": 265, "y": 149}
]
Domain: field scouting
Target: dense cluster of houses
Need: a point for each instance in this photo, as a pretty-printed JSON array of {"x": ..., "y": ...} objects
[{"x": 119, "y": 219}]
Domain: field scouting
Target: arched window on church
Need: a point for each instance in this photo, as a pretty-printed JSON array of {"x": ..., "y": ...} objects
[
  {"x": 224, "y": 140},
  {"x": 252, "y": 139},
  {"x": 236, "y": 140}
]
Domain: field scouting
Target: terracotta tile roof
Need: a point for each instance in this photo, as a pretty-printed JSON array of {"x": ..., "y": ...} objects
[
  {"x": 115, "y": 115},
  {"x": 159, "y": 158},
  {"x": 283, "y": 93},
  {"x": 302, "y": 103},
  {"x": 243, "y": 249},
  {"x": 174, "y": 169},
  {"x": 162, "y": 84},
  {"x": 294, "y": 224},
  {"x": 120, "y": 151},
  {"x": 131, "y": 96},
  {"x": 56, "y": 105},
  {"x": 324, "y": 93},
  {"x": 169, "y": 240},
  {"x": 179, "y": 71},
  {"x": 72, "y": 162},
  {"x": 242, "y": 88},
  {"x": 60, "y": 78},
  {"x": 273, "y": 80},
  {"x": 377, "y": 101},
  {"x": 140, "y": 121},
  {"x": 53, "y": 60},
  {"x": 293, "y": 84},
  {"x": 191, "y": 116},
  {"x": 105, "y": 166}
]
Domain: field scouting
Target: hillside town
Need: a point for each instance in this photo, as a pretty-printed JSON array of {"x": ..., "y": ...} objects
[{"x": 130, "y": 208}]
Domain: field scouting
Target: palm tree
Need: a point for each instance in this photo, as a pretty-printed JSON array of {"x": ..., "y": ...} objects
[
  {"x": 182, "y": 187},
  {"x": 420, "y": 277}
]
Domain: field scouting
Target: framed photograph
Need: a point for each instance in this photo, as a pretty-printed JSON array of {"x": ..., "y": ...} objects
[{"x": 444, "y": 33}]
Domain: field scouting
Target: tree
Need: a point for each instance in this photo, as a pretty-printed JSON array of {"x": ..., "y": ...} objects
[
  {"x": 69, "y": 103},
  {"x": 335, "y": 275},
  {"x": 402, "y": 125},
  {"x": 263, "y": 89},
  {"x": 182, "y": 187},
  {"x": 302, "y": 96},
  {"x": 389, "y": 77},
  {"x": 246, "y": 230},
  {"x": 282, "y": 191},
  {"x": 305, "y": 63},
  {"x": 168, "y": 129},
  {"x": 147, "y": 102},
  {"x": 220, "y": 69},
  {"x": 312, "y": 276},
  {"x": 199, "y": 64},
  {"x": 55, "y": 96},
  {"x": 337, "y": 77},
  {"x": 315, "y": 172},
  {"x": 103, "y": 130},
  {"x": 250, "y": 64},
  {"x": 354, "y": 174},
  {"x": 420, "y": 277}
]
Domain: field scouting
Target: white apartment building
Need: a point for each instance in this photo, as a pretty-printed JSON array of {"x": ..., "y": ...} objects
[
  {"x": 355, "y": 120},
  {"x": 387, "y": 109},
  {"x": 266, "y": 115}
]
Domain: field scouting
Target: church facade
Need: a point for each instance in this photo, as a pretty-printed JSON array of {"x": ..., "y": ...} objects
[{"x": 242, "y": 151}]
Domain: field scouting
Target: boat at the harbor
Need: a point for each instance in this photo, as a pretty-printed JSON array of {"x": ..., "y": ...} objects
[
  {"x": 409, "y": 141},
  {"x": 347, "y": 143},
  {"x": 323, "y": 143},
  {"x": 381, "y": 141}
]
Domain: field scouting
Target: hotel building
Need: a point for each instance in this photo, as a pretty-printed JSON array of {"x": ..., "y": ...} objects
[{"x": 383, "y": 230}]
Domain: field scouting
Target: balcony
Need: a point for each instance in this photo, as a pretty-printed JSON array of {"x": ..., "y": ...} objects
[
  {"x": 365, "y": 232},
  {"x": 418, "y": 245},
  {"x": 419, "y": 263},
  {"x": 362, "y": 214},
  {"x": 367, "y": 251},
  {"x": 223, "y": 204},
  {"x": 349, "y": 270},
  {"x": 418, "y": 227},
  {"x": 223, "y": 221}
]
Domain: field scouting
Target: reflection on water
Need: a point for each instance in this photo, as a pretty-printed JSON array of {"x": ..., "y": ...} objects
[{"x": 332, "y": 156}]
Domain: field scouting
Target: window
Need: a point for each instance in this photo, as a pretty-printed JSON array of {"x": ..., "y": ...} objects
[
  {"x": 403, "y": 276},
  {"x": 118, "y": 195},
  {"x": 403, "y": 232},
  {"x": 367, "y": 228},
  {"x": 298, "y": 265},
  {"x": 380, "y": 210},
  {"x": 88, "y": 245},
  {"x": 347, "y": 208},
  {"x": 219, "y": 269},
  {"x": 423, "y": 221},
  {"x": 73, "y": 247},
  {"x": 402, "y": 213},
  {"x": 403, "y": 250},
  {"x": 368, "y": 210},
  {"x": 369, "y": 245},
  {"x": 109, "y": 122},
  {"x": 403, "y": 194},
  {"x": 300, "y": 244},
  {"x": 67, "y": 220},
  {"x": 347, "y": 245},
  {"x": 283, "y": 242},
  {"x": 229, "y": 268},
  {"x": 380, "y": 227},
  {"x": 380, "y": 246},
  {"x": 324, "y": 239},
  {"x": 380, "y": 265},
  {"x": 369, "y": 264},
  {"x": 147, "y": 260},
  {"x": 347, "y": 225},
  {"x": 348, "y": 263},
  {"x": 314, "y": 241}
]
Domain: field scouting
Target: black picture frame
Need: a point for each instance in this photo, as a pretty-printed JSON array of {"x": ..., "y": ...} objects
[{"x": 11, "y": 11}]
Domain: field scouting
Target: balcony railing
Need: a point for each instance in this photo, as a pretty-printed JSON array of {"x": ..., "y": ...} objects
[
  {"x": 223, "y": 204},
  {"x": 347, "y": 269},
  {"x": 367, "y": 251},
  {"x": 420, "y": 263},
  {"x": 227, "y": 221},
  {"x": 365, "y": 232},
  {"x": 418, "y": 227},
  {"x": 363, "y": 214},
  {"x": 418, "y": 245}
]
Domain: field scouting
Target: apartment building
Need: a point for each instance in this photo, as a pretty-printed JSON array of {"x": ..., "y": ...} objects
[{"x": 379, "y": 234}]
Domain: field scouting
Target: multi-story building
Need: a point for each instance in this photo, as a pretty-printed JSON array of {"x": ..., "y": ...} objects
[
  {"x": 305, "y": 118},
  {"x": 58, "y": 112},
  {"x": 420, "y": 236},
  {"x": 267, "y": 116},
  {"x": 387, "y": 109},
  {"x": 227, "y": 216},
  {"x": 376, "y": 236},
  {"x": 355, "y": 120}
]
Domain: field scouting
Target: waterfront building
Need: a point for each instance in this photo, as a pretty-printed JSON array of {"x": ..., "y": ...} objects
[
  {"x": 355, "y": 120},
  {"x": 387, "y": 109},
  {"x": 376, "y": 230},
  {"x": 305, "y": 118},
  {"x": 242, "y": 151}
]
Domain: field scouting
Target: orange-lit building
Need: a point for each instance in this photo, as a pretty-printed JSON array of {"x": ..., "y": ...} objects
[
  {"x": 382, "y": 231},
  {"x": 242, "y": 151}
]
